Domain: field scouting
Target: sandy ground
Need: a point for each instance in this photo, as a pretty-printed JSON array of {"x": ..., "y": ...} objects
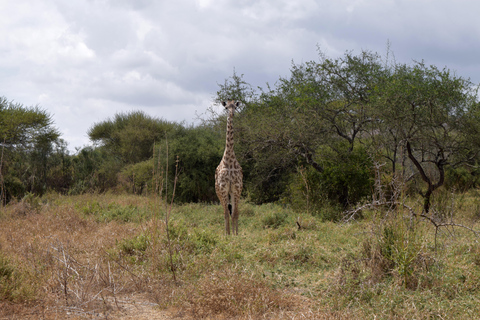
[
  {"x": 139, "y": 311},
  {"x": 138, "y": 308}
]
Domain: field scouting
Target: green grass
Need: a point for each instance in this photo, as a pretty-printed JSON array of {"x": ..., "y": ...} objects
[
  {"x": 329, "y": 263},
  {"x": 113, "y": 211}
]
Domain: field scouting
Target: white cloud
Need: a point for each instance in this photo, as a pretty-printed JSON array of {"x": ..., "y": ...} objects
[{"x": 73, "y": 48}]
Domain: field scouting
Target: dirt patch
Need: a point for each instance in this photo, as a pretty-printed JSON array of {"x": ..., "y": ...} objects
[{"x": 137, "y": 307}]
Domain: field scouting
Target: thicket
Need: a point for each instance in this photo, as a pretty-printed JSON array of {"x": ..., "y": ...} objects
[{"x": 311, "y": 141}]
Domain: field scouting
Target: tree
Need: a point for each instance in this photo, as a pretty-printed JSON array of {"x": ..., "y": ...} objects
[
  {"x": 22, "y": 127},
  {"x": 27, "y": 138},
  {"x": 335, "y": 112},
  {"x": 199, "y": 150},
  {"x": 93, "y": 169},
  {"x": 426, "y": 114},
  {"x": 129, "y": 137},
  {"x": 322, "y": 104}
]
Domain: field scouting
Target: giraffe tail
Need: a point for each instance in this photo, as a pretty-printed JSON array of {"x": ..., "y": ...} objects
[{"x": 230, "y": 209}]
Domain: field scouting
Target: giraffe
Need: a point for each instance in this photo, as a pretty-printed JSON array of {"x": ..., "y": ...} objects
[{"x": 229, "y": 175}]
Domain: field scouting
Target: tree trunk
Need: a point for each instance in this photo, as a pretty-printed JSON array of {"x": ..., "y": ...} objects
[{"x": 431, "y": 186}]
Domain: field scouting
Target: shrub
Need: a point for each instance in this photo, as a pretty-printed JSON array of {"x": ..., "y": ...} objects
[
  {"x": 199, "y": 151},
  {"x": 204, "y": 240},
  {"x": 192, "y": 239},
  {"x": 32, "y": 202},
  {"x": 345, "y": 180},
  {"x": 135, "y": 248},
  {"x": 137, "y": 178},
  {"x": 396, "y": 251},
  {"x": 246, "y": 209},
  {"x": 7, "y": 285}
]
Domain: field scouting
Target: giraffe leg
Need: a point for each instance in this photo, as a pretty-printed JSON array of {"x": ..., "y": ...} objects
[
  {"x": 226, "y": 213},
  {"x": 235, "y": 214},
  {"x": 227, "y": 220}
]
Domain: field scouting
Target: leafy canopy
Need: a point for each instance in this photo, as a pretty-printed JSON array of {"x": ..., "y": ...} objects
[{"x": 129, "y": 137}]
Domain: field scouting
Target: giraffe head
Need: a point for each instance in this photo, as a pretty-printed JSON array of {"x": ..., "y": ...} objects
[{"x": 231, "y": 105}]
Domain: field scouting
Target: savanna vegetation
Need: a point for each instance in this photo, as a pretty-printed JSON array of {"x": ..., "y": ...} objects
[
  {"x": 360, "y": 201},
  {"x": 107, "y": 256}
]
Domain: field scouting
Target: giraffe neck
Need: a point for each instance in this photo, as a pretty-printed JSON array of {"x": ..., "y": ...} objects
[{"x": 229, "y": 153}]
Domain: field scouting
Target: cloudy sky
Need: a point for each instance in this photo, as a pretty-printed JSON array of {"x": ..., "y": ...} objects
[{"x": 85, "y": 60}]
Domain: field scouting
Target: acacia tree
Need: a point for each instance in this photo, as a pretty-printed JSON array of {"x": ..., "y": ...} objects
[
  {"x": 129, "y": 137},
  {"x": 123, "y": 141},
  {"x": 27, "y": 139},
  {"x": 333, "y": 97},
  {"x": 426, "y": 113}
]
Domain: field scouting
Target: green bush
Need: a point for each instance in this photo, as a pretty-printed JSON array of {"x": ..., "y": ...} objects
[
  {"x": 33, "y": 202},
  {"x": 346, "y": 180},
  {"x": 178, "y": 229},
  {"x": 247, "y": 210},
  {"x": 397, "y": 251},
  {"x": 137, "y": 178},
  {"x": 13, "y": 188},
  {"x": 204, "y": 240},
  {"x": 7, "y": 283},
  {"x": 198, "y": 151}
]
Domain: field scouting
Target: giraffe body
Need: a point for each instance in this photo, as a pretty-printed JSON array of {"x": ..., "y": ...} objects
[{"x": 229, "y": 176}]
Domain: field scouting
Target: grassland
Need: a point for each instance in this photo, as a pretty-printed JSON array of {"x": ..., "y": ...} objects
[{"x": 108, "y": 257}]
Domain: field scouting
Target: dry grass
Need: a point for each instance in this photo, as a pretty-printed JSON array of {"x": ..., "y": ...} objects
[
  {"x": 106, "y": 257},
  {"x": 67, "y": 263},
  {"x": 61, "y": 258},
  {"x": 229, "y": 294}
]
